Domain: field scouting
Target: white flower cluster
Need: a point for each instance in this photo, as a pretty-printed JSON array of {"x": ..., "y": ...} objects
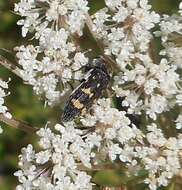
[
  {"x": 125, "y": 29},
  {"x": 144, "y": 79},
  {"x": 152, "y": 150},
  {"x": 56, "y": 166},
  {"x": 115, "y": 128},
  {"x": 57, "y": 13},
  {"x": 170, "y": 33},
  {"x": 65, "y": 154},
  {"x": 160, "y": 156},
  {"x": 160, "y": 86},
  {"x": 104, "y": 113},
  {"x": 149, "y": 83},
  {"x": 179, "y": 122},
  {"x": 180, "y": 8},
  {"x": 3, "y": 94},
  {"x": 129, "y": 31},
  {"x": 56, "y": 60},
  {"x": 52, "y": 71}
]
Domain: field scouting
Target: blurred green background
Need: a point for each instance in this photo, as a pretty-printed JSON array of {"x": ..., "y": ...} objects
[{"x": 23, "y": 104}]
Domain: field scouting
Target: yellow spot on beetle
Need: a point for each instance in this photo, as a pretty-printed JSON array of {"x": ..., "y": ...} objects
[
  {"x": 87, "y": 91},
  {"x": 84, "y": 111},
  {"x": 77, "y": 104},
  {"x": 91, "y": 95}
]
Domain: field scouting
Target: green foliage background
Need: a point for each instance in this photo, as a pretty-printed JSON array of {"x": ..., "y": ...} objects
[{"x": 25, "y": 105}]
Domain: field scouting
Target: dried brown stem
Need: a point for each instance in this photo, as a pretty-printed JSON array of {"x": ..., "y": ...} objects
[
  {"x": 114, "y": 188},
  {"x": 101, "y": 167},
  {"x": 9, "y": 65},
  {"x": 89, "y": 24},
  {"x": 18, "y": 124}
]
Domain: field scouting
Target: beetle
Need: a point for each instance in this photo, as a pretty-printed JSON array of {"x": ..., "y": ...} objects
[{"x": 90, "y": 89}]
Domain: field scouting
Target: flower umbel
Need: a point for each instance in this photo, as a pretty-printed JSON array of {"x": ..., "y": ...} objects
[{"x": 133, "y": 124}]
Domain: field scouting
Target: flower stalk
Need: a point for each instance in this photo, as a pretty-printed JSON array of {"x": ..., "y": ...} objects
[
  {"x": 18, "y": 124},
  {"x": 10, "y": 66}
]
